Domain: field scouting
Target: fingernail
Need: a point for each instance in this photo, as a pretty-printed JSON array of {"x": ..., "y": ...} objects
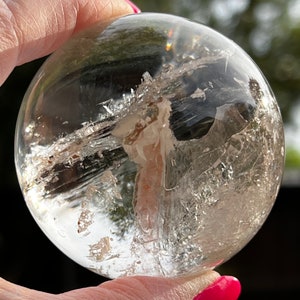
[
  {"x": 136, "y": 10},
  {"x": 224, "y": 288}
]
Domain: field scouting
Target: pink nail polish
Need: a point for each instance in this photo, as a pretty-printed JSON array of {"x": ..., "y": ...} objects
[
  {"x": 136, "y": 10},
  {"x": 224, "y": 288}
]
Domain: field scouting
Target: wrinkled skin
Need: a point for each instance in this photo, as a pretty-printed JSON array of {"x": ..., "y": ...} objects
[{"x": 127, "y": 288}]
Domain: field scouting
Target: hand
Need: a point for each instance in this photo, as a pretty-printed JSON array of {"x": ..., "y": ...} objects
[{"x": 30, "y": 29}]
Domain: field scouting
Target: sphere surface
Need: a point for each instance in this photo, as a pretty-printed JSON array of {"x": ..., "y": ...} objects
[{"x": 149, "y": 144}]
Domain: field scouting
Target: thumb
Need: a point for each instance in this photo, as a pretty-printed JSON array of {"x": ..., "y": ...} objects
[{"x": 32, "y": 29}]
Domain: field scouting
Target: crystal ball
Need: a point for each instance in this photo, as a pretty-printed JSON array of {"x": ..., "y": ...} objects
[{"x": 149, "y": 145}]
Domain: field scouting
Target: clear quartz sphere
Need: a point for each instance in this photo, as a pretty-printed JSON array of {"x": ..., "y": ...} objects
[{"x": 149, "y": 144}]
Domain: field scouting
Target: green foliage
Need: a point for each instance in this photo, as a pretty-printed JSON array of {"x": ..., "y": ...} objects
[{"x": 292, "y": 158}]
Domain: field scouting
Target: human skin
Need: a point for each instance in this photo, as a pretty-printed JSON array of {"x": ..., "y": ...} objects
[
  {"x": 126, "y": 288},
  {"x": 30, "y": 29},
  {"x": 33, "y": 29}
]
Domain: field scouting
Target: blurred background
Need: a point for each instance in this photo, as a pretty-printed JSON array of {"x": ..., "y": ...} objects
[{"x": 269, "y": 265}]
